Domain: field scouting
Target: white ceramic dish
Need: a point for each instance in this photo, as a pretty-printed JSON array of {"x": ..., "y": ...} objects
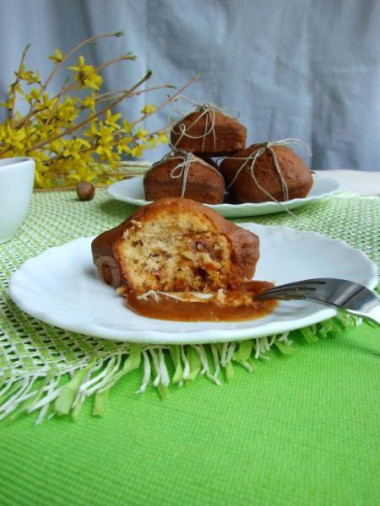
[
  {"x": 61, "y": 287},
  {"x": 132, "y": 191},
  {"x": 16, "y": 186}
]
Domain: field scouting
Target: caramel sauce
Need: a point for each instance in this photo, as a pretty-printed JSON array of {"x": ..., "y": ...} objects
[{"x": 232, "y": 305}]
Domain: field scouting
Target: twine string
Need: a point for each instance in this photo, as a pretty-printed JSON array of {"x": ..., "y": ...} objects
[{"x": 181, "y": 170}]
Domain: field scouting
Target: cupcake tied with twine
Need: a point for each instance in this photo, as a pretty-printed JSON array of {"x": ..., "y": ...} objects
[
  {"x": 263, "y": 172},
  {"x": 183, "y": 174},
  {"x": 208, "y": 130},
  {"x": 270, "y": 171}
]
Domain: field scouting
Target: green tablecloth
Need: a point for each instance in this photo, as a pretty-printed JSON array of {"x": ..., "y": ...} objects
[{"x": 302, "y": 429}]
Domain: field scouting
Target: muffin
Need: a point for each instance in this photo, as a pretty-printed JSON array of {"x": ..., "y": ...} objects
[
  {"x": 264, "y": 182},
  {"x": 184, "y": 175},
  {"x": 209, "y": 132},
  {"x": 175, "y": 244}
]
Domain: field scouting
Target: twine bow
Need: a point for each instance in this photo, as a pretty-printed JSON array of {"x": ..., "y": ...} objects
[{"x": 252, "y": 158}]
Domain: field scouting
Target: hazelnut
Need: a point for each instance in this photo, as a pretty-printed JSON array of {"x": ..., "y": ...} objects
[{"x": 85, "y": 191}]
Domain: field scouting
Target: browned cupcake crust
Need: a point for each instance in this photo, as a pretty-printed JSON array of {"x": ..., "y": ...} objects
[
  {"x": 184, "y": 175},
  {"x": 176, "y": 245},
  {"x": 209, "y": 132},
  {"x": 296, "y": 175}
]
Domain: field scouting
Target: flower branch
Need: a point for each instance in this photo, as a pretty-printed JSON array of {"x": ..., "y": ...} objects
[{"x": 75, "y": 135}]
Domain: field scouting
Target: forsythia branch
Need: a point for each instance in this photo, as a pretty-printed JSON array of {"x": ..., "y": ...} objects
[{"x": 74, "y": 135}]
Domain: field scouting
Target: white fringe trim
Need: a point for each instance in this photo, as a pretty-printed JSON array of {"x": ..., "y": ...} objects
[{"x": 63, "y": 392}]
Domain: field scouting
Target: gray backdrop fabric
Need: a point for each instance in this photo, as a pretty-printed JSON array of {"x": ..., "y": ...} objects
[{"x": 296, "y": 68}]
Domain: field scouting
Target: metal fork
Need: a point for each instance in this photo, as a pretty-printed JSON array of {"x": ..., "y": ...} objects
[{"x": 339, "y": 293}]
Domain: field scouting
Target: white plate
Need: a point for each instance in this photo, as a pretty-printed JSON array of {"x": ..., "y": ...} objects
[
  {"x": 132, "y": 191},
  {"x": 61, "y": 287}
]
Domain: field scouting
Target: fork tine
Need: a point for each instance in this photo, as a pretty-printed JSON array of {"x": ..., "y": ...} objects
[
  {"x": 280, "y": 295},
  {"x": 296, "y": 290},
  {"x": 306, "y": 283}
]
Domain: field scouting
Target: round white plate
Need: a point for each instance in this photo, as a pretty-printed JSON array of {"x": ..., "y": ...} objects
[
  {"x": 132, "y": 191},
  {"x": 61, "y": 287}
]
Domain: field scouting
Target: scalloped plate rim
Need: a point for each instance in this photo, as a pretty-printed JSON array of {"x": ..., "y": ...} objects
[
  {"x": 20, "y": 281},
  {"x": 116, "y": 191}
]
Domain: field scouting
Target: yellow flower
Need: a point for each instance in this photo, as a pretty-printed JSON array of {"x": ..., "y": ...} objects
[
  {"x": 56, "y": 146},
  {"x": 57, "y": 57},
  {"x": 67, "y": 111},
  {"x": 148, "y": 109},
  {"x": 89, "y": 103},
  {"x": 81, "y": 143},
  {"x": 161, "y": 138},
  {"x": 27, "y": 75},
  {"x": 14, "y": 137},
  {"x": 111, "y": 120},
  {"x": 137, "y": 151},
  {"x": 35, "y": 93},
  {"x": 141, "y": 133},
  {"x": 127, "y": 126},
  {"x": 105, "y": 134},
  {"x": 91, "y": 132},
  {"x": 123, "y": 145},
  {"x": 9, "y": 104},
  {"x": 86, "y": 75}
]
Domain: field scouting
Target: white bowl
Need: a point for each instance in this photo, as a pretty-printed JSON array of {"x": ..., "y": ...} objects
[{"x": 16, "y": 186}]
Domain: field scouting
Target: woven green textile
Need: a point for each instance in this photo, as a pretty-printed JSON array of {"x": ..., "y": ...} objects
[{"x": 302, "y": 429}]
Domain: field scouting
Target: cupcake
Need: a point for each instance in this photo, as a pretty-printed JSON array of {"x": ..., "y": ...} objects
[
  {"x": 266, "y": 172},
  {"x": 183, "y": 174},
  {"x": 175, "y": 244},
  {"x": 208, "y": 131}
]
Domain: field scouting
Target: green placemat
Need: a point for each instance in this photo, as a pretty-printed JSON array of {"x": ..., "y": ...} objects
[
  {"x": 302, "y": 429},
  {"x": 53, "y": 371}
]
